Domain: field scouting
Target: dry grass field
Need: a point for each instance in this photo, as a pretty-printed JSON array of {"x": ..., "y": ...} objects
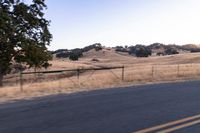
[{"x": 137, "y": 71}]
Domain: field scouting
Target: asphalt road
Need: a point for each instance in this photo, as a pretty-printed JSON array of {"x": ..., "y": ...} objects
[{"x": 117, "y": 110}]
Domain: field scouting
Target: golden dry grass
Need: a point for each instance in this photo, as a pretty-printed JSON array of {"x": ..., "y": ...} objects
[{"x": 137, "y": 71}]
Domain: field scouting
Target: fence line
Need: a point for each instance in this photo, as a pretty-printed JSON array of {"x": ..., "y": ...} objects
[
  {"x": 79, "y": 70},
  {"x": 137, "y": 73}
]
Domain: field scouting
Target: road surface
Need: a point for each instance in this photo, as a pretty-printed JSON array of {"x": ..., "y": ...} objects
[{"x": 167, "y": 107}]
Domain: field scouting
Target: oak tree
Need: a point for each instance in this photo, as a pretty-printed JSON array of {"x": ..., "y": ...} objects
[{"x": 24, "y": 34}]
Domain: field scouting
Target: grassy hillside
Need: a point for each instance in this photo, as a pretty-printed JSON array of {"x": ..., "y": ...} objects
[{"x": 137, "y": 71}]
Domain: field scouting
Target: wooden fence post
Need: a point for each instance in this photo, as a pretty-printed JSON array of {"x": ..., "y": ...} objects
[
  {"x": 21, "y": 81},
  {"x": 152, "y": 71},
  {"x": 123, "y": 73},
  {"x": 178, "y": 69},
  {"x": 78, "y": 75}
]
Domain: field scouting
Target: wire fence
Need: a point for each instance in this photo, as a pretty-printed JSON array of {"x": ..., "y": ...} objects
[
  {"x": 97, "y": 77},
  {"x": 69, "y": 74}
]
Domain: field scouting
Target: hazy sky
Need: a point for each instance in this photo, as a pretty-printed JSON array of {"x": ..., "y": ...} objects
[{"x": 77, "y": 23}]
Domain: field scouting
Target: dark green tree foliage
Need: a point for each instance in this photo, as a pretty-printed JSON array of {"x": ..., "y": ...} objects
[
  {"x": 140, "y": 51},
  {"x": 195, "y": 50},
  {"x": 143, "y": 52},
  {"x": 75, "y": 54},
  {"x": 156, "y": 46},
  {"x": 132, "y": 50},
  {"x": 63, "y": 55},
  {"x": 60, "y": 51},
  {"x": 96, "y": 46},
  {"x": 121, "y": 49},
  {"x": 37, "y": 57},
  {"x": 24, "y": 34},
  {"x": 78, "y": 52}
]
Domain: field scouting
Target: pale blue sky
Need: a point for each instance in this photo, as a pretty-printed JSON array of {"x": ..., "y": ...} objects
[{"x": 77, "y": 23}]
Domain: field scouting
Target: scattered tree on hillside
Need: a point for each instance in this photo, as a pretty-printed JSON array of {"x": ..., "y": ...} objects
[
  {"x": 96, "y": 46},
  {"x": 195, "y": 50},
  {"x": 78, "y": 52},
  {"x": 73, "y": 56},
  {"x": 24, "y": 35},
  {"x": 121, "y": 49},
  {"x": 131, "y": 50},
  {"x": 156, "y": 46},
  {"x": 62, "y": 55},
  {"x": 143, "y": 52},
  {"x": 171, "y": 51},
  {"x": 140, "y": 51},
  {"x": 59, "y": 51}
]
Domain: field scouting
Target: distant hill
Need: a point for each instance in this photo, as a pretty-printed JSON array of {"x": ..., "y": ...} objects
[
  {"x": 190, "y": 46},
  {"x": 155, "y": 48},
  {"x": 65, "y": 53}
]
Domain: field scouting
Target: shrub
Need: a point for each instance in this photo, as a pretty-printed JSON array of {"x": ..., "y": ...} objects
[{"x": 171, "y": 51}]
